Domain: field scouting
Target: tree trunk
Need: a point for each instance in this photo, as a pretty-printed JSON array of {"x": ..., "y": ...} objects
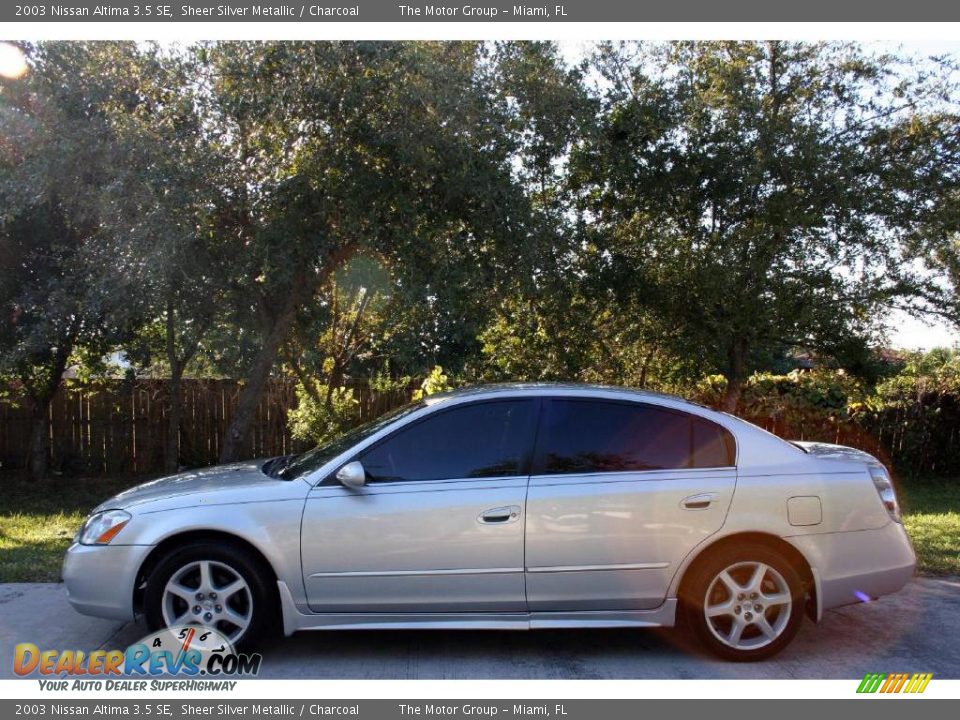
[
  {"x": 731, "y": 397},
  {"x": 276, "y": 331},
  {"x": 256, "y": 380},
  {"x": 306, "y": 382},
  {"x": 171, "y": 453},
  {"x": 38, "y": 450},
  {"x": 645, "y": 368},
  {"x": 736, "y": 367}
]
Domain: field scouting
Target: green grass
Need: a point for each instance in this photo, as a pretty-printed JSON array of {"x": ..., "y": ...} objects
[
  {"x": 931, "y": 514},
  {"x": 38, "y": 520}
]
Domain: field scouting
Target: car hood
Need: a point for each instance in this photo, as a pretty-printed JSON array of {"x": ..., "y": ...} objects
[
  {"x": 202, "y": 484},
  {"x": 828, "y": 451}
]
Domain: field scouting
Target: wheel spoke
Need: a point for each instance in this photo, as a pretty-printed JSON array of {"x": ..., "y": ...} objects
[
  {"x": 206, "y": 577},
  {"x": 756, "y": 580},
  {"x": 720, "y": 609},
  {"x": 768, "y": 632},
  {"x": 729, "y": 582},
  {"x": 780, "y": 598},
  {"x": 236, "y": 619},
  {"x": 181, "y": 591},
  {"x": 231, "y": 589},
  {"x": 736, "y": 630}
]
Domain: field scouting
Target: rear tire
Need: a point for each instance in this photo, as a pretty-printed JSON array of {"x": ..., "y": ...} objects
[
  {"x": 215, "y": 585},
  {"x": 743, "y": 604}
]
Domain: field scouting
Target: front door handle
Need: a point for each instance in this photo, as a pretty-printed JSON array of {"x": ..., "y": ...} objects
[
  {"x": 698, "y": 502},
  {"x": 500, "y": 515}
]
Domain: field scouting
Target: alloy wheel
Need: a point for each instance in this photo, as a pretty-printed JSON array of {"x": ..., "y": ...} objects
[
  {"x": 748, "y": 605},
  {"x": 210, "y": 593}
]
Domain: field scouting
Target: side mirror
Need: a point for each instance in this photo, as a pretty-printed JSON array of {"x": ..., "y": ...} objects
[{"x": 352, "y": 475}]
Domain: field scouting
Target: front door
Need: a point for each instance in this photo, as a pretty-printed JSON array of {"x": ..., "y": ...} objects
[
  {"x": 439, "y": 525},
  {"x": 621, "y": 492}
]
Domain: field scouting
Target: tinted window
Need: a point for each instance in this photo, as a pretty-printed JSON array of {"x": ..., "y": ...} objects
[
  {"x": 489, "y": 439},
  {"x": 587, "y": 436},
  {"x": 319, "y": 456},
  {"x": 713, "y": 446}
]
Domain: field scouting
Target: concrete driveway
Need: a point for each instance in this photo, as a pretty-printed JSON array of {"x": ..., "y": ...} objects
[{"x": 916, "y": 630}]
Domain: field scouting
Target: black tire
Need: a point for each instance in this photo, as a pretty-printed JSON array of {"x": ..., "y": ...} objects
[
  {"x": 257, "y": 601},
  {"x": 742, "y": 562}
]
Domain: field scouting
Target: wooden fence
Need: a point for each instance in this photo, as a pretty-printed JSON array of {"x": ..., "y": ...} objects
[{"x": 121, "y": 427}]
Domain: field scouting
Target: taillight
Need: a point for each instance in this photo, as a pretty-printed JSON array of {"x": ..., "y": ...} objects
[{"x": 884, "y": 485}]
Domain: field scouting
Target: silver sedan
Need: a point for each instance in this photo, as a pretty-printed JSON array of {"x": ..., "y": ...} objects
[{"x": 508, "y": 507}]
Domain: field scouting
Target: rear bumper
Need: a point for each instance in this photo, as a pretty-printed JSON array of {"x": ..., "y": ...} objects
[
  {"x": 100, "y": 578},
  {"x": 860, "y": 566}
]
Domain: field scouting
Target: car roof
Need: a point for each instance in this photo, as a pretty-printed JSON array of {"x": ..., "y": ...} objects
[{"x": 558, "y": 388}]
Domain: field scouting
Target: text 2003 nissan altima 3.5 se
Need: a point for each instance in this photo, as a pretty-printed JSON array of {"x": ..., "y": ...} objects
[{"x": 508, "y": 507}]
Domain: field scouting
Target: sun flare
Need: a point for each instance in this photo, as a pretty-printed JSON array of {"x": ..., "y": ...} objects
[{"x": 13, "y": 63}]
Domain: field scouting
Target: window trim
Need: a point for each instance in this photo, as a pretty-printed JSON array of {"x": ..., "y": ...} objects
[
  {"x": 526, "y": 463},
  {"x": 538, "y": 469}
]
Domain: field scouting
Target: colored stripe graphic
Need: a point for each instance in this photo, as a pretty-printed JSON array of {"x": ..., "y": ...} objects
[
  {"x": 871, "y": 682},
  {"x": 894, "y": 682}
]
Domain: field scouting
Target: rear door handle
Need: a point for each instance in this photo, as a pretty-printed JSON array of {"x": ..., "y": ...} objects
[
  {"x": 698, "y": 502},
  {"x": 500, "y": 515}
]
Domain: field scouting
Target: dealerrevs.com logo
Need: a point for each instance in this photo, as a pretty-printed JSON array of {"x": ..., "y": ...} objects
[
  {"x": 910, "y": 683},
  {"x": 189, "y": 652}
]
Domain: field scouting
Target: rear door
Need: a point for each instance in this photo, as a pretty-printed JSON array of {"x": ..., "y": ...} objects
[
  {"x": 620, "y": 493},
  {"x": 439, "y": 526}
]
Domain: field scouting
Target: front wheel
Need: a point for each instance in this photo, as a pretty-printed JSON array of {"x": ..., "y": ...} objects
[
  {"x": 744, "y": 604},
  {"x": 214, "y": 585}
]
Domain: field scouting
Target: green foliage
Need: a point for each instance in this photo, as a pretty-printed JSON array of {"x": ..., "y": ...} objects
[
  {"x": 382, "y": 382},
  {"x": 727, "y": 182},
  {"x": 370, "y": 209},
  {"x": 916, "y": 413},
  {"x": 318, "y": 420},
  {"x": 435, "y": 382},
  {"x": 909, "y": 419}
]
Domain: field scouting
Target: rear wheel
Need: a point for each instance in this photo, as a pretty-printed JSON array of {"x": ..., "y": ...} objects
[
  {"x": 214, "y": 585},
  {"x": 744, "y": 603}
]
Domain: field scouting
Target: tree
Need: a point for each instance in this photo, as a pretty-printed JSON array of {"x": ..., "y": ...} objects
[
  {"x": 163, "y": 207},
  {"x": 63, "y": 283},
  {"x": 766, "y": 195},
  {"x": 337, "y": 148}
]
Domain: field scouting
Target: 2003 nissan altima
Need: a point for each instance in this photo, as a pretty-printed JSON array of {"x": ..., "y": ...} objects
[{"x": 509, "y": 507}]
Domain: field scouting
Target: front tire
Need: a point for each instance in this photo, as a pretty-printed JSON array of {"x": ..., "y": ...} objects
[
  {"x": 214, "y": 585},
  {"x": 744, "y": 604}
]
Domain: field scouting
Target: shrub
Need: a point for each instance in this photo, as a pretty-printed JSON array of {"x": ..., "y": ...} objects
[
  {"x": 911, "y": 420},
  {"x": 320, "y": 420},
  {"x": 435, "y": 382}
]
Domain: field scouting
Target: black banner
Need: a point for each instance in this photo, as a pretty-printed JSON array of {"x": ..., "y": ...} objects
[{"x": 326, "y": 11}]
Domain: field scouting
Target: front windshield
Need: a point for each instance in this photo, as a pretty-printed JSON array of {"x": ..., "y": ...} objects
[{"x": 322, "y": 454}]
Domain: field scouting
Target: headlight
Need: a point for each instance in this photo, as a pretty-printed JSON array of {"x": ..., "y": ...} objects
[
  {"x": 102, "y": 527},
  {"x": 884, "y": 486}
]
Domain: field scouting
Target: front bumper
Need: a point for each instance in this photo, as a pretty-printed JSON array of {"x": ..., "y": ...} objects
[
  {"x": 858, "y": 566},
  {"x": 100, "y": 578}
]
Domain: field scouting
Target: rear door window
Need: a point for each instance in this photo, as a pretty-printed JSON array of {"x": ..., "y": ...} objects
[{"x": 591, "y": 436}]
